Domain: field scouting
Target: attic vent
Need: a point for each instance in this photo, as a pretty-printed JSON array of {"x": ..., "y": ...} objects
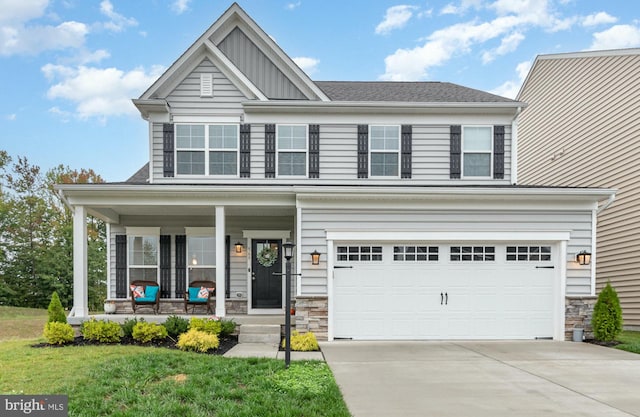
[{"x": 206, "y": 85}]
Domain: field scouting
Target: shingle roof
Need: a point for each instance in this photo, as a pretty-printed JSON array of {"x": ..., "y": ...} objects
[
  {"x": 415, "y": 92},
  {"x": 141, "y": 176}
]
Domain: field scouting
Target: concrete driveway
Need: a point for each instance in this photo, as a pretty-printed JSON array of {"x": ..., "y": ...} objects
[{"x": 528, "y": 378}]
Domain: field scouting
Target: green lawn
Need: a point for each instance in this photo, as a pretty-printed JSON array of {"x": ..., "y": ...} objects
[
  {"x": 630, "y": 341},
  {"x": 21, "y": 323},
  {"x": 136, "y": 381}
]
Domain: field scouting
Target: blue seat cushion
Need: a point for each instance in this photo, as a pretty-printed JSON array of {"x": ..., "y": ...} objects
[
  {"x": 150, "y": 293},
  {"x": 195, "y": 295}
]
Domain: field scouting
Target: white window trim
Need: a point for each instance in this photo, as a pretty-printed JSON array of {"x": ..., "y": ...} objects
[
  {"x": 206, "y": 151},
  {"x": 305, "y": 151},
  {"x": 143, "y": 232},
  {"x": 490, "y": 152},
  {"x": 209, "y": 232},
  {"x": 372, "y": 151}
]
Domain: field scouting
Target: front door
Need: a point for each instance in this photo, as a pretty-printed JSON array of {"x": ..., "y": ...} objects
[{"x": 266, "y": 288}]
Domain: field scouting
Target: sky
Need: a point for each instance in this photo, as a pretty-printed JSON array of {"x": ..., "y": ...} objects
[{"x": 69, "y": 68}]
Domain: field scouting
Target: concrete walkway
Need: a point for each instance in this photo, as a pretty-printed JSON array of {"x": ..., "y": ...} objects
[
  {"x": 267, "y": 350},
  {"x": 528, "y": 378}
]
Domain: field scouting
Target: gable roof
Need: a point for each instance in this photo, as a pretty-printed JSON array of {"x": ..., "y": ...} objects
[{"x": 415, "y": 92}]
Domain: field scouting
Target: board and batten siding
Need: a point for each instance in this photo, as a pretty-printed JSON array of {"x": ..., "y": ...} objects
[
  {"x": 258, "y": 67},
  {"x": 581, "y": 129},
  {"x": 316, "y": 222}
]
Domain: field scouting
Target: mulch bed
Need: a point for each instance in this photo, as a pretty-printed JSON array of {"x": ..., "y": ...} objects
[
  {"x": 605, "y": 344},
  {"x": 226, "y": 343}
]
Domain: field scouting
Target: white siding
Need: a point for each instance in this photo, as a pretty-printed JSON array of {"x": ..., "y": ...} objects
[{"x": 315, "y": 223}]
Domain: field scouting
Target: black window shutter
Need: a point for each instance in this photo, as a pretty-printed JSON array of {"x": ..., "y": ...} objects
[
  {"x": 181, "y": 265},
  {"x": 270, "y": 151},
  {"x": 168, "y": 145},
  {"x": 363, "y": 151},
  {"x": 405, "y": 151},
  {"x": 314, "y": 151},
  {"x": 498, "y": 152},
  {"x": 245, "y": 151},
  {"x": 121, "y": 266},
  {"x": 456, "y": 150},
  {"x": 165, "y": 266}
]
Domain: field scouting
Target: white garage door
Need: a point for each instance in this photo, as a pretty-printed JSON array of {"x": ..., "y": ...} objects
[{"x": 443, "y": 291}]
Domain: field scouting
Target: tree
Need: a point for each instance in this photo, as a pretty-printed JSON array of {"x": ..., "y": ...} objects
[
  {"x": 55, "y": 310},
  {"x": 607, "y": 315}
]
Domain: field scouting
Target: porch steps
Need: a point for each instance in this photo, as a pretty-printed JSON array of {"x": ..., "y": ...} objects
[{"x": 259, "y": 333}]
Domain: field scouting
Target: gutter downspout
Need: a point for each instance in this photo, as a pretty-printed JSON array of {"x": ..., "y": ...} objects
[
  {"x": 514, "y": 147},
  {"x": 594, "y": 226},
  {"x": 612, "y": 197}
]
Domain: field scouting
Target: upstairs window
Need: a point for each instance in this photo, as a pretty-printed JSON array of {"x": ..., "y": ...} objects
[
  {"x": 292, "y": 150},
  {"x": 477, "y": 147},
  {"x": 207, "y": 150},
  {"x": 384, "y": 151}
]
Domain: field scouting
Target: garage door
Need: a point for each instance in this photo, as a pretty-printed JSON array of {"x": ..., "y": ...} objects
[{"x": 443, "y": 291}]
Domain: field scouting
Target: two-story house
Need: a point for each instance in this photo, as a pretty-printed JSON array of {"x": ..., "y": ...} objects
[{"x": 401, "y": 199}]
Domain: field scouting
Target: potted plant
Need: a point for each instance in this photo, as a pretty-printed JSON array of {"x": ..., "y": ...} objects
[{"x": 109, "y": 306}]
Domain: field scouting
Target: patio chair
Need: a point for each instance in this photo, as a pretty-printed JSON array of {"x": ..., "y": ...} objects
[
  {"x": 145, "y": 293},
  {"x": 200, "y": 293}
]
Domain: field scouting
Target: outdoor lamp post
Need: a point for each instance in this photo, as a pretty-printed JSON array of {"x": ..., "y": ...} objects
[{"x": 288, "y": 254}]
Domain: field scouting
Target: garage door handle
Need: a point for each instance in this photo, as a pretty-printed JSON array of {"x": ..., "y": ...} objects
[
  {"x": 446, "y": 298},
  {"x": 342, "y": 267},
  {"x": 545, "y": 267}
]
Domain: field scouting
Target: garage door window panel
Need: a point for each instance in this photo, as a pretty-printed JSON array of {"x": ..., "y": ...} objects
[
  {"x": 528, "y": 253},
  {"x": 472, "y": 253},
  {"x": 415, "y": 253},
  {"x": 359, "y": 253}
]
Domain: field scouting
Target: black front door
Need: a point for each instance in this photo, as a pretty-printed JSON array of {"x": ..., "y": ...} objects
[{"x": 266, "y": 288}]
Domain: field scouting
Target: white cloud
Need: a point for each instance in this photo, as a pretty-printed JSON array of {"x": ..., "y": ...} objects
[
  {"x": 510, "y": 89},
  {"x": 508, "y": 44},
  {"x": 513, "y": 17},
  {"x": 462, "y": 8},
  {"x": 600, "y": 18},
  {"x": 293, "y": 6},
  {"x": 616, "y": 37},
  {"x": 118, "y": 22},
  {"x": 395, "y": 18},
  {"x": 98, "y": 92},
  {"x": 35, "y": 39},
  {"x": 11, "y": 117},
  {"x": 180, "y": 6},
  {"x": 17, "y": 12},
  {"x": 307, "y": 64}
]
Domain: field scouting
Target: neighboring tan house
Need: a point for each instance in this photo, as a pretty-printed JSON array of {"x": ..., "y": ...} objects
[
  {"x": 405, "y": 190},
  {"x": 581, "y": 129}
]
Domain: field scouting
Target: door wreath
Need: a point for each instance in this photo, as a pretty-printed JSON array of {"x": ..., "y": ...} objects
[{"x": 268, "y": 256}]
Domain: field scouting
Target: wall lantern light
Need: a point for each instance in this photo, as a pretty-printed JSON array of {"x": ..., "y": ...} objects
[
  {"x": 239, "y": 247},
  {"x": 315, "y": 258},
  {"x": 583, "y": 257}
]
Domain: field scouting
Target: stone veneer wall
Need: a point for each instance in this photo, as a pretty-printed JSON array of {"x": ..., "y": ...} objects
[
  {"x": 312, "y": 315},
  {"x": 578, "y": 312},
  {"x": 172, "y": 306}
]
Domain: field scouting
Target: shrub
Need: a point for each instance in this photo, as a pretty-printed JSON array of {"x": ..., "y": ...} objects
[
  {"x": 227, "y": 327},
  {"x": 211, "y": 326},
  {"x": 147, "y": 332},
  {"x": 58, "y": 333},
  {"x": 303, "y": 342},
  {"x": 55, "y": 310},
  {"x": 102, "y": 331},
  {"x": 176, "y": 325},
  {"x": 198, "y": 341},
  {"x": 607, "y": 315},
  {"x": 127, "y": 326}
]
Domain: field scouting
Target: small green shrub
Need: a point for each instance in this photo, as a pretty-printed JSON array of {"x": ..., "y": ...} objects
[
  {"x": 58, "y": 333},
  {"x": 176, "y": 325},
  {"x": 55, "y": 310},
  {"x": 304, "y": 342},
  {"x": 211, "y": 326},
  {"x": 102, "y": 331},
  {"x": 147, "y": 332},
  {"x": 198, "y": 341},
  {"x": 127, "y": 326},
  {"x": 227, "y": 327},
  {"x": 607, "y": 315}
]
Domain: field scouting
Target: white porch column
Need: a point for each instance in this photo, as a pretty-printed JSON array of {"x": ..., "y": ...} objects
[
  {"x": 220, "y": 260},
  {"x": 80, "y": 294}
]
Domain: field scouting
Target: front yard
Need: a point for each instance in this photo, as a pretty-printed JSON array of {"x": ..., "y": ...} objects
[{"x": 629, "y": 341}]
